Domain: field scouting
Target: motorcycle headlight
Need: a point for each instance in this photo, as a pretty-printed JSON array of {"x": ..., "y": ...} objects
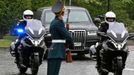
[
  {"x": 119, "y": 46},
  {"x": 36, "y": 42},
  {"x": 111, "y": 45}
]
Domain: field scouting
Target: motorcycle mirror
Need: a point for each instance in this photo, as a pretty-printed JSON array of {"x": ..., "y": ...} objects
[
  {"x": 97, "y": 21},
  {"x": 131, "y": 36}
]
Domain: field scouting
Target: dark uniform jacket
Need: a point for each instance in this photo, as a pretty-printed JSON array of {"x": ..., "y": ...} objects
[
  {"x": 59, "y": 32},
  {"x": 103, "y": 28}
]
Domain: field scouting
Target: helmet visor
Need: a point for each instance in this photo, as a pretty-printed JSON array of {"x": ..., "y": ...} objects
[
  {"x": 28, "y": 16},
  {"x": 110, "y": 19}
]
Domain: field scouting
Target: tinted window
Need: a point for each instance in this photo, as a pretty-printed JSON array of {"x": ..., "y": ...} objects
[
  {"x": 74, "y": 16},
  {"x": 78, "y": 16},
  {"x": 49, "y": 16}
]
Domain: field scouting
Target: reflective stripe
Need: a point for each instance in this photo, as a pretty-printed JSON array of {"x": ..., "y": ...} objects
[{"x": 58, "y": 41}]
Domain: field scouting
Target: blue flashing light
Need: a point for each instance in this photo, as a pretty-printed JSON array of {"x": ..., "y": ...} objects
[{"x": 20, "y": 30}]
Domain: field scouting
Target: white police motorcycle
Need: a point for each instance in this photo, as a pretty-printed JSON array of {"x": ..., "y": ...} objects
[
  {"x": 31, "y": 49},
  {"x": 114, "y": 49}
]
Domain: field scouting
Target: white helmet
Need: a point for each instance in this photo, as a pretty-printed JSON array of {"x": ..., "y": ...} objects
[
  {"x": 28, "y": 14},
  {"x": 110, "y": 16}
]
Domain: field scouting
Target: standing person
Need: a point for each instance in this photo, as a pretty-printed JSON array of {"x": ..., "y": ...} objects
[{"x": 60, "y": 36}]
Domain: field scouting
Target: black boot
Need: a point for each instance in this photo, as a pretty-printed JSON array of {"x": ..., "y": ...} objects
[{"x": 16, "y": 52}]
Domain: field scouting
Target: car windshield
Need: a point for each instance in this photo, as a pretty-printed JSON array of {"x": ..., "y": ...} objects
[
  {"x": 74, "y": 16},
  {"x": 49, "y": 16},
  {"x": 78, "y": 16}
]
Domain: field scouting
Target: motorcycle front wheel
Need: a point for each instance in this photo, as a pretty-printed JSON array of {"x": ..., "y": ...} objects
[
  {"x": 118, "y": 67},
  {"x": 35, "y": 65},
  {"x": 21, "y": 68},
  {"x": 103, "y": 73}
]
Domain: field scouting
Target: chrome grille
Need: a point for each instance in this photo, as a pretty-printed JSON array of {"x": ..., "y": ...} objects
[{"x": 79, "y": 37}]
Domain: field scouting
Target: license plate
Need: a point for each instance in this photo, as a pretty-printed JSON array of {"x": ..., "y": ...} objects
[
  {"x": 92, "y": 34},
  {"x": 77, "y": 44}
]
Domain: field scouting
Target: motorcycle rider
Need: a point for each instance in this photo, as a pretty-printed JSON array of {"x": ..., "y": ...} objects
[
  {"x": 110, "y": 18},
  {"x": 27, "y": 15}
]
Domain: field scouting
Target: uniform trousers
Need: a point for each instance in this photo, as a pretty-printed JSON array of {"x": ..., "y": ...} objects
[{"x": 53, "y": 66}]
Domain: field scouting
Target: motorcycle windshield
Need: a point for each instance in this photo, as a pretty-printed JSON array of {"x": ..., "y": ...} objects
[
  {"x": 35, "y": 29},
  {"x": 117, "y": 32}
]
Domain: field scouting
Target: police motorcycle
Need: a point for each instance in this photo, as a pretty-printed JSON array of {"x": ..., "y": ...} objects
[
  {"x": 32, "y": 47},
  {"x": 113, "y": 50}
]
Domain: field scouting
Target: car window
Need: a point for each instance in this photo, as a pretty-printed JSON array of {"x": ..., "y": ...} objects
[
  {"x": 78, "y": 16},
  {"x": 49, "y": 16},
  {"x": 74, "y": 16}
]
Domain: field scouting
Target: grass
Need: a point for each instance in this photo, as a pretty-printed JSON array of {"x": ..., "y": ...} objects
[{"x": 6, "y": 41}]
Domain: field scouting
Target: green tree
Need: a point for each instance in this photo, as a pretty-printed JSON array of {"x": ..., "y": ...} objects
[
  {"x": 2, "y": 14},
  {"x": 41, "y": 3}
]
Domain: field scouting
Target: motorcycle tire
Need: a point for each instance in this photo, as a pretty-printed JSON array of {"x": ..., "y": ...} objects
[
  {"x": 45, "y": 55},
  {"x": 103, "y": 73},
  {"x": 90, "y": 54},
  {"x": 21, "y": 69},
  {"x": 118, "y": 67},
  {"x": 35, "y": 65}
]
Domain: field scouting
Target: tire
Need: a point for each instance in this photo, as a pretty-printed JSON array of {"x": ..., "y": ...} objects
[
  {"x": 103, "y": 73},
  {"x": 21, "y": 69},
  {"x": 45, "y": 55},
  {"x": 118, "y": 67},
  {"x": 35, "y": 65},
  {"x": 90, "y": 54}
]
